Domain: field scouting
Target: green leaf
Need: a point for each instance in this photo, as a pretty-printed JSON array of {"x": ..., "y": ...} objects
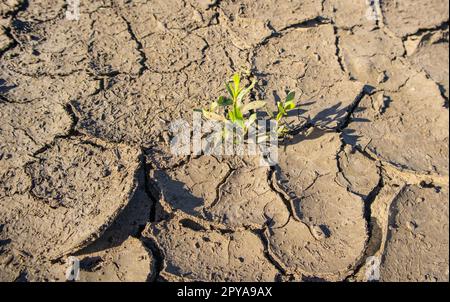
[
  {"x": 238, "y": 113},
  {"x": 244, "y": 92},
  {"x": 230, "y": 91},
  {"x": 231, "y": 116},
  {"x": 213, "y": 116},
  {"x": 253, "y": 106},
  {"x": 290, "y": 96},
  {"x": 279, "y": 116},
  {"x": 236, "y": 81},
  {"x": 240, "y": 123},
  {"x": 223, "y": 101},
  {"x": 289, "y": 105}
]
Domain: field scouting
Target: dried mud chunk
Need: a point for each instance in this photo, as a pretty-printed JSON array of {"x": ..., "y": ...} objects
[
  {"x": 113, "y": 47},
  {"x": 79, "y": 187},
  {"x": 305, "y": 158},
  {"x": 210, "y": 256},
  {"x": 408, "y": 17},
  {"x": 431, "y": 57},
  {"x": 246, "y": 199},
  {"x": 417, "y": 245},
  {"x": 348, "y": 14},
  {"x": 331, "y": 239},
  {"x": 192, "y": 187},
  {"x": 328, "y": 236},
  {"x": 57, "y": 47},
  {"x": 25, "y": 128},
  {"x": 357, "y": 172},
  {"x": 304, "y": 60},
  {"x": 408, "y": 128},
  {"x": 129, "y": 262},
  {"x": 373, "y": 57}
]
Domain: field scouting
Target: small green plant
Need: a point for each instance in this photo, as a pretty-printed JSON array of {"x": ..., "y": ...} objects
[{"x": 232, "y": 110}]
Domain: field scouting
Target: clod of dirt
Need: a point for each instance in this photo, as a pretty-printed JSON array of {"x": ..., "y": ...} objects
[
  {"x": 79, "y": 187},
  {"x": 417, "y": 246},
  {"x": 209, "y": 255},
  {"x": 129, "y": 262},
  {"x": 411, "y": 120},
  {"x": 406, "y": 18},
  {"x": 304, "y": 60}
]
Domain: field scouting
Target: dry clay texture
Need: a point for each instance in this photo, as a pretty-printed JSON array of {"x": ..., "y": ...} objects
[{"x": 87, "y": 96}]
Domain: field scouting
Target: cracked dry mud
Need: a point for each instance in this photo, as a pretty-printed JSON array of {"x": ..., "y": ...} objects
[{"x": 86, "y": 168}]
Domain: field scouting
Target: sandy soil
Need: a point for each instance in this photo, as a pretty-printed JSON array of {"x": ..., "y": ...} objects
[{"x": 86, "y": 171}]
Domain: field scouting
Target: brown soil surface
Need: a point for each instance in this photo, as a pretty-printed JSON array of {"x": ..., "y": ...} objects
[{"x": 86, "y": 168}]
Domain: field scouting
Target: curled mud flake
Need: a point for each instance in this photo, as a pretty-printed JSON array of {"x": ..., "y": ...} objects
[
  {"x": 428, "y": 14},
  {"x": 246, "y": 199},
  {"x": 193, "y": 187},
  {"x": 417, "y": 245},
  {"x": 412, "y": 131},
  {"x": 210, "y": 256},
  {"x": 71, "y": 200},
  {"x": 304, "y": 60}
]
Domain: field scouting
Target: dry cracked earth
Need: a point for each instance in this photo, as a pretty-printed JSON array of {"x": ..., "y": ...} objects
[{"x": 86, "y": 169}]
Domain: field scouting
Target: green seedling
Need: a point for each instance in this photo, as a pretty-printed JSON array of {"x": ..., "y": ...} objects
[
  {"x": 283, "y": 110},
  {"x": 231, "y": 110}
]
